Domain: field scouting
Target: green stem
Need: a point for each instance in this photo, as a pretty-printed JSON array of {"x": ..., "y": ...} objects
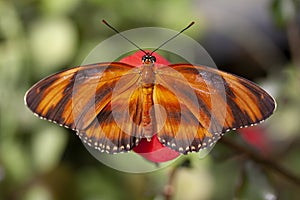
[{"x": 266, "y": 162}]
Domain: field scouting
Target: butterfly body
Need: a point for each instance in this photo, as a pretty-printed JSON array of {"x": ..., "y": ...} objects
[{"x": 147, "y": 84}]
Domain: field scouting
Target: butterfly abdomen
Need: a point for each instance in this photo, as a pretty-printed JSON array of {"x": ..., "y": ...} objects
[{"x": 147, "y": 115}]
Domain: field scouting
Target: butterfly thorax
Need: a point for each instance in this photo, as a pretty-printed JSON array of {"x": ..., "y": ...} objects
[{"x": 148, "y": 75}]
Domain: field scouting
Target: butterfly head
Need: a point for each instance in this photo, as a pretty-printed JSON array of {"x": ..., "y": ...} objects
[{"x": 148, "y": 58}]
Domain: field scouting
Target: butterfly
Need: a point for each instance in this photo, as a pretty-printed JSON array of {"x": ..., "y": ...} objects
[{"x": 113, "y": 105}]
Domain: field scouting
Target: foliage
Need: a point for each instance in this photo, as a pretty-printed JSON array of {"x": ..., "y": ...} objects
[{"x": 39, "y": 160}]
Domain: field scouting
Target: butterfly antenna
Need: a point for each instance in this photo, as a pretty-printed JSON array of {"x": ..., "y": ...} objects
[
  {"x": 123, "y": 36},
  {"x": 191, "y": 24}
]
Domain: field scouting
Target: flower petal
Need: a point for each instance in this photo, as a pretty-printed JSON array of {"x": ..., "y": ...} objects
[{"x": 151, "y": 150}]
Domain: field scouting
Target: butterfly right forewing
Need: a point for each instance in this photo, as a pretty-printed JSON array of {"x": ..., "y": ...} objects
[
  {"x": 246, "y": 102},
  {"x": 210, "y": 102}
]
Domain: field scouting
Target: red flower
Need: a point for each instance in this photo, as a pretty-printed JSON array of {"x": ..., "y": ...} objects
[
  {"x": 151, "y": 150},
  {"x": 256, "y": 137}
]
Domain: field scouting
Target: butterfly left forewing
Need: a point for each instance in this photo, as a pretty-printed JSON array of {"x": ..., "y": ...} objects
[{"x": 81, "y": 99}]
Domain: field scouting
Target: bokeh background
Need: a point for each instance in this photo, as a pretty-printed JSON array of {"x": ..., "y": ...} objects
[{"x": 258, "y": 39}]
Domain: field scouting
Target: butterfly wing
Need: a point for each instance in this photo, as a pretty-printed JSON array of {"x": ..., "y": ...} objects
[
  {"x": 82, "y": 99},
  {"x": 202, "y": 103}
]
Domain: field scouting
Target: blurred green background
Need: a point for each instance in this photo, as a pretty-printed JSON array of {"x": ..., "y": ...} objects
[{"x": 257, "y": 39}]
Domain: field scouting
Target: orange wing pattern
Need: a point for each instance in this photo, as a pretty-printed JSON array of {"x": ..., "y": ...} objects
[
  {"x": 192, "y": 105},
  {"x": 202, "y": 103}
]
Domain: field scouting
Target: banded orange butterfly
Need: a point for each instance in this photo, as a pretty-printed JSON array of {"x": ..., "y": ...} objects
[{"x": 112, "y": 106}]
